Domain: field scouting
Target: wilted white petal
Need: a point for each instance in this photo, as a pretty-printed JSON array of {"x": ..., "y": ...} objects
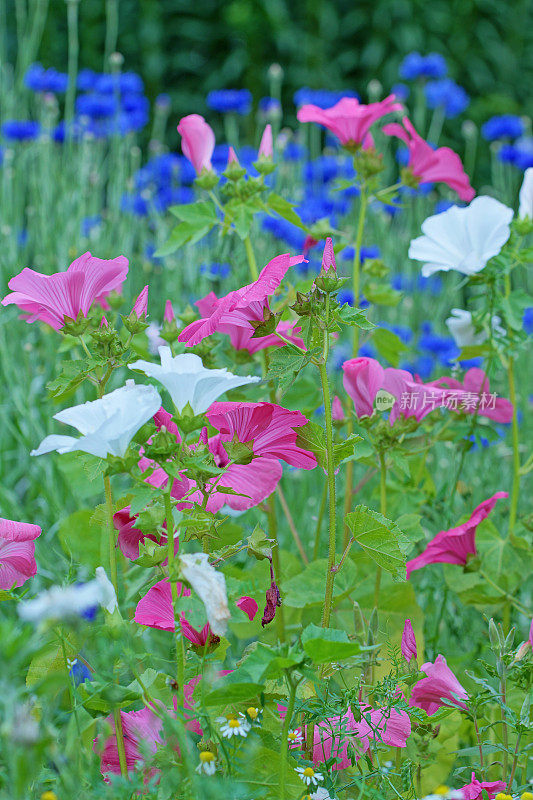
[
  {"x": 108, "y": 596},
  {"x": 526, "y": 195},
  {"x": 70, "y": 601},
  {"x": 463, "y": 239},
  {"x": 210, "y": 586},
  {"x": 107, "y": 425},
  {"x": 188, "y": 381}
]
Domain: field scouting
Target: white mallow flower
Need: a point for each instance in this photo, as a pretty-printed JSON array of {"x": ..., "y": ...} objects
[
  {"x": 234, "y": 726},
  {"x": 525, "y": 197},
  {"x": 309, "y": 776},
  {"x": 70, "y": 601},
  {"x": 188, "y": 381},
  {"x": 463, "y": 239},
  {"x": 107, "y": 425},
  {"x": 462, "y": 328},
  {"x": 210, "y": 586}
]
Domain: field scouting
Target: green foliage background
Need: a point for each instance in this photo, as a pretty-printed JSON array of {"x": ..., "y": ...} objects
[{"x": 187, "y": 48}]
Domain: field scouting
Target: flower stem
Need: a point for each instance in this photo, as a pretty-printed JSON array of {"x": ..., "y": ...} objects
[
  {"x": 509, "y": 597},
  {"x": 178, "y": 638},
  {"x": 111, "y": 533},
  {"x": 356, "y": 269},
  {"x": 119, "y": 736},
  {"x": 276, "y": 566},
  {"x": 316, "y": 548},
  {"x": 285, "y": 737},
  {"x": 515, "y": 486},
  {"x": 330, "y": 574},
  {"x": 251, "y": 258},
  {"x": 383, "y": 510}
]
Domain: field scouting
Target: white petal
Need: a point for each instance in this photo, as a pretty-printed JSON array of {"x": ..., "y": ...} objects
[
  {"x": 63, "y": 444},
  {"x": 526, "y": 195}
]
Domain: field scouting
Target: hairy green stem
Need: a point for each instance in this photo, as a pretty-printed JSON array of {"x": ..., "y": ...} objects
[
  {"x": 111, "y": 30},
  {"x": 316, "y": 548},
  {"x": 330, "y": 574},
  {"x": 111, "y": 533},
  {"x": 178, "y": 638},
  {"x": 73, "y": 53},
  {"x": 383, "y": 510},
  {"x": 276, "y": 563},
  {"x": 285, "y": 737},
  {"x": 251, "y": 258},
  {"x": 119, "y": 736},
  {"x": 515, "y": 486}
]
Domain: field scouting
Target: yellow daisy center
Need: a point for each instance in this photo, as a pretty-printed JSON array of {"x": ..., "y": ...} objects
[
  {"x": 252, "y": 713},
  {"x": 206, "y": 756},
  {"x": 308, "y": 772},
  {"x": 293, "y": 736},
  {"x": 443, "y": 790},
  {"x": 526, "y": 796},
  {"x": 234, "y": 723}
]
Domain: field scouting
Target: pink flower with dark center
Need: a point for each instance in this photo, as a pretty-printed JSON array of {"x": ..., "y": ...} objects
[
  {"x": 440, "y": 684},
  {"x": 408, "y": 646},
  {"x": 349, "y": 119},
  {"x": 475, "y": 789},
  {"x": 237, "y": 325},
  {"x": 271, "y": 430},
  {"x": 240, "y": 306},
  {"x": 472, "y": 393},
  {"x": 455, "y": 545},
  {"x": 436, "y": 166},
  {"x": 365, "y": 377},
  {"x": 197, "y": 141},
  {"x": 51, "y": 298},
  {"x": 17, "y": 552},
  {"x": 266, "y": 149}
]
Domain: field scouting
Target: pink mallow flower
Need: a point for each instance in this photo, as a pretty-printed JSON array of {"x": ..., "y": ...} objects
[
  {"x": 408, "y": 645},
  {"x": 155, "y": 610},
  {"x": 129, "y": 537},
  {"x": 436, "y": 166},
  {"x": 266, "y": 149},
  {"x": 239, "y": 307},
  {"x": 475, "y": 789},
  {"x": 197, "y": 141},
  {"x": 472, "y": 393},
  {"x": 349, "y": 119},
  {"x": 237, "y": 325},
  {"x": 328, "y": 256},
  {"x": 140, "y": 306},
  {"x": 17, "y": 552},
  {"x": 455, "y": 545},
  {"x": 439, "y": 685},
  {"x": 364, "y": 377},
  {"x": 391, "y": 727},
  {"x": 142, "y": 736},
  {"x": 51, "y": 298},
  {"x": 337, "y": 411}
]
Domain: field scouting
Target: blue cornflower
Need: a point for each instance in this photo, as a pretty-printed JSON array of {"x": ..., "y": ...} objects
[
  {"x": 124, "y": 83},
  {"x": 442, "y": 347},
  {"x": 134, "y": 204},
  {"x": 238, "y": 101},
  {"x": 269, "y": 106},
  {"x": 401, "y": 91},
  {"x": 215, "y": 271},
  {"x": 403, "y": 333},
  {"x": 504, "y": 126},
  {"x": 88, "y": 224},
  {"x": 372, "y": 251},
  {"x": 527, "y": 320},
  {"x": 159, "y": 170},
  {"x": 39, "y": 79},
  {"x": 96, "y": 106},
  {"x": 309, "y": 267},
  {"x": 367, "y": 351},
  {"x": 422, "y": 366},
  {"x": 22, "y": 237},
  {"x": 416, "y": 65},
  {"x": 285, "y": 231},
  {"x": 433, "y": 284},
  {"x": 86, "y": 80},
  {"x": 443, "y": 205},
  {"x": 520, "y": 153},
  {"x": 320, "y": 97},
  {"x": 79, "y": 671},
  {"x": 294, "y": 151},
  {"x": 21, "y": 129},
  {"x": 323, "y": 169},
  {"x": 448, "y": 95}
]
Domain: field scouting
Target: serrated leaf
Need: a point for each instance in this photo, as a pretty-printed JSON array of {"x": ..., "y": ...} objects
[
  {"x": 196, "y": 214},
  {"x": 284, "y": 365},
  {"x": 285, "y": 210},
  {"x": 379, "y": 537},
  {"x": 324, "y": 645},
  {"x": 355, "y": 317}
]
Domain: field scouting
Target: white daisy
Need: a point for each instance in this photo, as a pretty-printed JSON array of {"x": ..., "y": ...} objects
[
  {"x": 295, "y": 736},
  {"x": 188, "y": 381},
  {"x": 208, "y": 764},
  {"x": 463, "y": 239},
  {"x": 107, "y": 425},
  {"x": 234, "y": 726},
  {"x": 309, "y": 776},
  {"x": 526, "y": 195}
]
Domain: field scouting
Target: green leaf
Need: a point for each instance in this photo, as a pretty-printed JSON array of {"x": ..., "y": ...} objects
[
  {"x": 243, "y": 219},
  {"x": 382, "y": 294},
  {"x": 379, "y": 537},
  {"x": 81, "y": 538},
  {"x": 346, "y": 450},
  {"x": 284, "y": 366},
  {"x": 355, "y": 317},
  {"x": 324, "y": 645},
  {"x": 72, "y": 375},
  {"x": 196, "y": 214},
  {"x": 179, "y": 236},
  {"x": 308, "y": 587},
  {"x": 389, "y": 345},
  {"x": 285, "y": 210}
]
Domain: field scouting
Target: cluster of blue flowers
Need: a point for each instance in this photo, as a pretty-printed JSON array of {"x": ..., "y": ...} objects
[
  {"x": 503, "y": 126},
  {"x": 320, "y": 97},
  {"x": 416, "y": 66},
  {"x": 441, "y": 91},
  {"x": 230, "y": 101},
  {"x": 39, "y": 79}
]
